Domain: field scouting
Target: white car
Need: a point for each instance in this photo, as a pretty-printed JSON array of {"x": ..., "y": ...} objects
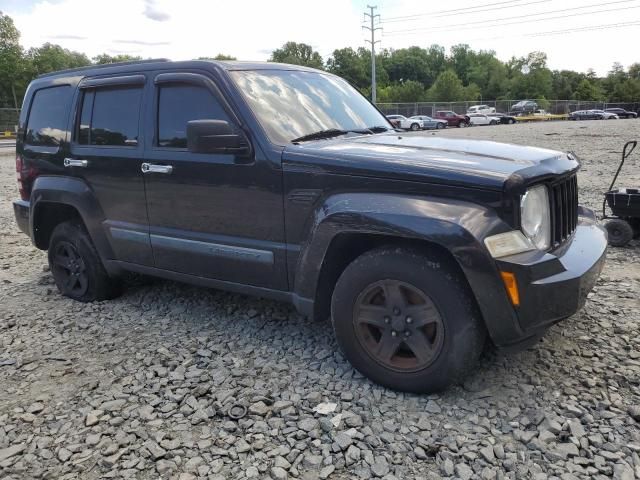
[
  {"x": 481, "y": 119},
  {"x": 429, "y": 122},
  {"x": 480, "y": 109},
  {"x": 400, "y": 121}
]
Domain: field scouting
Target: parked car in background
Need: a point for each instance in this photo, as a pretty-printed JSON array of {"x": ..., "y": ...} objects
[
  {"x": 592, "y": 115},
  {"x": 480, "y": 119},
  {"x": 622, "y": 113},
  {"x": 585, "y": 115},
  {"x": 606, "y": 115},
  {"x": 429, "y": 123},
  {"x": 504, "y": 118},
  {"x": 400, "y": 121},
  {"x": 524, "y": 107},
  {"x": 395, "y": 120},
  {"x": 486, "y": 109},
  {"x": 452, "y": 118}
]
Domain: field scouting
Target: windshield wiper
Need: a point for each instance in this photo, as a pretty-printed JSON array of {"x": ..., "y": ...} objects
[
  {"x": 329, "y": 133},
  {"x": 335, "y": 132}
]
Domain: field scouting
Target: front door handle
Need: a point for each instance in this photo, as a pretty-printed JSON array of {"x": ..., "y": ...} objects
[
  {"x": 151, "y": 168},
  {"x": 72, "y": 162}
]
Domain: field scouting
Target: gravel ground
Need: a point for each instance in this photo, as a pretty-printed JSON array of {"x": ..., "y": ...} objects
[{"x": 141, "y": 387}]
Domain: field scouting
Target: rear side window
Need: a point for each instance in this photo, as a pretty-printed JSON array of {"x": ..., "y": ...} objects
[
  {"x": 47, "y": 124},
  {"x": 177, "y": 105},
  {"x": 110, "y": 117}
]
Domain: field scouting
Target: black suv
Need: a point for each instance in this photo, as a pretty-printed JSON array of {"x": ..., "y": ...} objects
[{"x": 285, "y": 182}]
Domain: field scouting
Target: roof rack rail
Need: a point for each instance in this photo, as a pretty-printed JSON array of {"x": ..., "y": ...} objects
[{"x": 104, "y": 65}]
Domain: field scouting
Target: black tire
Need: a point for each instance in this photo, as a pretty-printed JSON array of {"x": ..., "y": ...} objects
[
  {"x": 462, "y": 124},
  {"x": 440, "y": 126},
  {"x": 493, "y": 122},
  {"x": 455, "y": 332},
  {"x": 414, "y": 127},
  {"x": 76, "y": 266},
  {"x": 511, "y": 121},
  {"x": 620, "y": 232}
]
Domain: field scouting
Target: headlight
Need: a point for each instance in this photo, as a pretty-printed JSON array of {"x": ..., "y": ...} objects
[{"x": 535, "y": 218}]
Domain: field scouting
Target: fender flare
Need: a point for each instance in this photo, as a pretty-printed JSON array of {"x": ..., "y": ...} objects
[
  {"x": 454, "y": 225},
  {"x": 76, "y": 193}
]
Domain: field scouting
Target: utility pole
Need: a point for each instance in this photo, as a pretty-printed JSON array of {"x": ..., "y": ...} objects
[{"x": 373, "y": 41}]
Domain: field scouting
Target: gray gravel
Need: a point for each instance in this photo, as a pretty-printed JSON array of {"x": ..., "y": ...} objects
[{"x": 141, "y": 387}]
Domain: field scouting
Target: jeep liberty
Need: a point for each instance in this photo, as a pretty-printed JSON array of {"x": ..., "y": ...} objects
[{"x": 285, "y": 182}]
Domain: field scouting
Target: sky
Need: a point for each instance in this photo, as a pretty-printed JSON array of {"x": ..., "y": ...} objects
[{"x": 575, "y": 34}]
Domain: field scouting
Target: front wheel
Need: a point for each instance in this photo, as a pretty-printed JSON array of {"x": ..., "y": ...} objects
[
  {"x": 462, "y": 124},
  {"x": 620, "y": 232},
  {"x": 414, "y": 127},
  {"x": 440, "y": 126},
  {"x": 493, "y": 122},
  {"x": 407, "y": 320}
]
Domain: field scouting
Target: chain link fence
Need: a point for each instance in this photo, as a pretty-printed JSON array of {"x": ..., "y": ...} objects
[
  {"x": 8, "y": 121},
  {"x": 556, "y": 107}
]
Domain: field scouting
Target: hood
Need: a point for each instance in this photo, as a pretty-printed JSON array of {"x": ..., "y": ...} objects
[{"x": 430, "y": 159}]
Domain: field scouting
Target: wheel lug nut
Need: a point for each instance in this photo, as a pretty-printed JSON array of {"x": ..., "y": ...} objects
[
  {"x": 387, "y": 320},
  {"x": 394, "y": 333},
  {"x": 396, "y": 311},
  {"x": 409, "y": 320},
  {"x": 407, "y": 333}
]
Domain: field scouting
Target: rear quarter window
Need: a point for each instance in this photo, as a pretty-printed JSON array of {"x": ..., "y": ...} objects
[{"x": 47, "y": 122}]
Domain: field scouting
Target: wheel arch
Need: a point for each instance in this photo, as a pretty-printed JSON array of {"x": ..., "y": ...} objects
[
  {"x": 347, "y": 227},
  {"x": 58, "y": 199}
]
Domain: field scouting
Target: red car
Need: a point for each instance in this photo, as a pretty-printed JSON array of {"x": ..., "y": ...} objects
[{"x": 452, "y": 118}]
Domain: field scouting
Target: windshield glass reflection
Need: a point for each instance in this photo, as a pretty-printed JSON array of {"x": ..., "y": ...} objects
[{"x": 290, "y": 104}]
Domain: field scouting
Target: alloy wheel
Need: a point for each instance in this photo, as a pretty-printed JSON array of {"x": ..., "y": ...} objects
[{"x": 398, "y": 325}]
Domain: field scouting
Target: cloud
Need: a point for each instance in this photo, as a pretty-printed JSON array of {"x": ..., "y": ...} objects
[
  {"x": 141, "y": 42},
  {"x": 153, "y": 12},
  {"x": 67, "y": 37}
]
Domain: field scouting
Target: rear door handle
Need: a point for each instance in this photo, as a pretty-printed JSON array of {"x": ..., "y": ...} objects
[
  {"x": 151, "y": 168},
  {"x": 72, "y": 162}
]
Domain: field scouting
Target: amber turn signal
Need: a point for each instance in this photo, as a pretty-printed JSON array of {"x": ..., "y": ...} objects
[{"x": 511, "y": 285}]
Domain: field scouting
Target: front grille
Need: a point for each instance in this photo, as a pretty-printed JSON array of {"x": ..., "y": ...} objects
[{"x": 564, "y": 209}]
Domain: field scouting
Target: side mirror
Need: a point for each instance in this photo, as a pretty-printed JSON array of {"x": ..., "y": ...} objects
[{"x": 216, "y": 136}]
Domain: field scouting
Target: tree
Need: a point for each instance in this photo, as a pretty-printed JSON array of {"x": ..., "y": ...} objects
[
  {"x": 447, "y": 88},
  {"x": 220, "y": 56},
  {"x": 409, "y": 91},
  {"x": 587, "y": 90},
  {"x": 106, "y": 58},
  {"x": 297, "y": 54},
  {"x": 346, "y": 63},
  {"x": 12, "y": 67},
  {"x": 50, "y": 57}
]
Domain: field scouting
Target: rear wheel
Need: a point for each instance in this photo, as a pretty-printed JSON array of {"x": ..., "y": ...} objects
[
  {"x": 406, "y": 320},
  {"x": 493, "y": 122},
  {"x": 511, "y": 121},
  {"x": 76, "y": 266},
  {"x": 620, "y": 232}
]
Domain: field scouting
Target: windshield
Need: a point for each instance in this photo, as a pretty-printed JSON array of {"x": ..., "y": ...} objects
[{"x": 290, "y": 104}]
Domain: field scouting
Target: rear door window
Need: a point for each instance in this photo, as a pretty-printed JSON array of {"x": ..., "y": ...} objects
[
  {"x": 47, "y": 123},
  {"x": 110, "y": 117}
]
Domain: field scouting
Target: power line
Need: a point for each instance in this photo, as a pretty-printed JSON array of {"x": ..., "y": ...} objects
[
  {"x": 373, "y": 41},
  {"x": 522, "y": 19},
  {"x": 564, "y": 31},
  {"x": 464, "y": 11}
]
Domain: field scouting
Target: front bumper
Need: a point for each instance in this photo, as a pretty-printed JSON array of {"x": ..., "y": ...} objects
[
  {"x": 21, "y": 211},
  {"x": 555, "y": 285}
]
